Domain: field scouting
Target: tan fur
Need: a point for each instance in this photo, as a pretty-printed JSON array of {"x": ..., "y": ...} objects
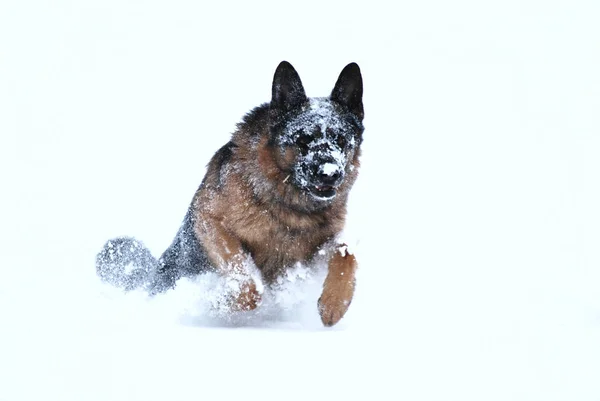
[
  {"x": 248, "y": 299},
  {"x": 338, "y": 288}
]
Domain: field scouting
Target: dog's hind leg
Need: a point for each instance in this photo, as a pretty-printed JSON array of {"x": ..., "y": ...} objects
[
  {"x": 183, "y": 258},
  {"x": 166, "y": 274}
]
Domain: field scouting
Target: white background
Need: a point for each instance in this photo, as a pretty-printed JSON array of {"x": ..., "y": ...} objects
[{"x": 475, "y": 218}]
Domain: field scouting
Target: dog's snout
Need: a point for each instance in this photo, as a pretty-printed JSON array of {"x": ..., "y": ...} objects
[
  {"x": 327, "y": 173},
  {"x": 330, "y": 179}
]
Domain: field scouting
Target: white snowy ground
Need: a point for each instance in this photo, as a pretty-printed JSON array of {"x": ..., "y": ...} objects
[{"x": 475, "y": 219}]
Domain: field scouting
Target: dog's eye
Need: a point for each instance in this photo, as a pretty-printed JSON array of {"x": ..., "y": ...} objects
[
  {"x": 303, "y": 141},
  {"x": 341, "y": 141}
]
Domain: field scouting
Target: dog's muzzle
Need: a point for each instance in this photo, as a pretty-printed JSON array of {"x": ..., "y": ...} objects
[{"x": 326, "y": 177}]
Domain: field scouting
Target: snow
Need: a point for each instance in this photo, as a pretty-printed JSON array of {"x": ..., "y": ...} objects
[
  {"x": 320, "y": 116},
  {"x": 474, "y": 220},
  {"x": 343, "y": 250},
  {"x": 320, "y": 127},
  {"x": 329, "y": 168}
]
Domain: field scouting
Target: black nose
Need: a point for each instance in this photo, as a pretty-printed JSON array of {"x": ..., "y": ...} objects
[
  {"x": 326, "y": 176},
  {"x": 330, "y": 179}
]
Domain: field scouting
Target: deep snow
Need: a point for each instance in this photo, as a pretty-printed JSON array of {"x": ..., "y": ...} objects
[{"x": 475, "y": 217}]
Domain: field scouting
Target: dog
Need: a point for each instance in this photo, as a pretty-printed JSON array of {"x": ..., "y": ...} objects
[{"x": 275, "y": 195}]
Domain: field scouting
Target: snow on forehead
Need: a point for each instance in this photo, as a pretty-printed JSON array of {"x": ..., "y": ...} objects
[{"x": 320, "y": 113}]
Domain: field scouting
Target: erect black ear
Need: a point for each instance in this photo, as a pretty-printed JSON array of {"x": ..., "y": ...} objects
[
  {"x": 348, "y": 90},
  {"x": 287, "y": 92}
]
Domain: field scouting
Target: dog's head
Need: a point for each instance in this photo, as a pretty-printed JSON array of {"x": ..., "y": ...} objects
[{"x": 318, "y": 138}]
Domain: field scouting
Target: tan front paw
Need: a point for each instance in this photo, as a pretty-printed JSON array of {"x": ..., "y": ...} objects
[
  {"x": 332, "y": 308},
  {"x": 338, "y": 288},
  {"x": 248, "y": 297}
]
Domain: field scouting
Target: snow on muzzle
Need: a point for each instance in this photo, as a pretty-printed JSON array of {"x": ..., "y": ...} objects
[{"x": 326, "y": 176}]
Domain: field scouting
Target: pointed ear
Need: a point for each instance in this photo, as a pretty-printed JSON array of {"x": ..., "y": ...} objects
[
  {"x": 348, "y": 90},
  {"x": 287, "y": 92}
]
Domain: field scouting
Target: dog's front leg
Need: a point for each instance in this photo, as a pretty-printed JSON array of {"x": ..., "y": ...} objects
[
  {"x": 244, "y": 283},
  {"x": 338, "y": 288}
]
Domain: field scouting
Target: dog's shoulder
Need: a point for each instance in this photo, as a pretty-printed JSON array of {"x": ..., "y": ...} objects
[
  {"x": 217, "y": 167},
  {"x": 254, "y": 124},
  {"x": 241, "y": 145}
]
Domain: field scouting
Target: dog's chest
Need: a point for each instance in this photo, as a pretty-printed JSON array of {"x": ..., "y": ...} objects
[{"x": 276, "y": 249}]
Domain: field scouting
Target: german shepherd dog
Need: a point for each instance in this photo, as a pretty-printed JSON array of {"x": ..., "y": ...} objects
[{"x": 275, "y": 195}]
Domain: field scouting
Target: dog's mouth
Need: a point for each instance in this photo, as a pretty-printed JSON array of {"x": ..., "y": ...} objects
[{"x": 323, "y": 192}]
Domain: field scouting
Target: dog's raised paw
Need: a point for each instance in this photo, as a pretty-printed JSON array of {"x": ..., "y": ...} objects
[
  {"x": 338, "y": 288},
  {"x": 332, "y": 308}
]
